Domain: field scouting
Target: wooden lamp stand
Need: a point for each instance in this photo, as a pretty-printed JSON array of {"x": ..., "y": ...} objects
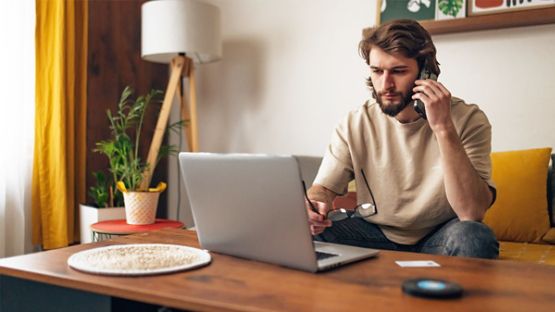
[{"x": 181, "y": 67}]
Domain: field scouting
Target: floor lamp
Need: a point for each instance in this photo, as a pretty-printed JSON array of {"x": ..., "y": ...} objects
[{"x": 181, "y": 33}]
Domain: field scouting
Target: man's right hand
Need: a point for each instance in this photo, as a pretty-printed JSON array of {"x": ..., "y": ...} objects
[
  {"x": 318, "y": 220},
  {"x": 322, "y": 199}
]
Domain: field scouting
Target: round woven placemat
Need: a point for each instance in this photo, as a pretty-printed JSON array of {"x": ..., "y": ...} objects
[{"x": 138, "y": 259}]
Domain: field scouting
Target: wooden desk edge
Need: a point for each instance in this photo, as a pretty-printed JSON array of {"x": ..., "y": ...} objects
[
  {"x": 106, "y": 290},
  {"x": 183, "y": 300},
  {"x": 146, "y": 297}
]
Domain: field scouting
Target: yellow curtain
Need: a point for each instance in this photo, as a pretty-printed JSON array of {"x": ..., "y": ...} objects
[{"x": 60, "y": 141}]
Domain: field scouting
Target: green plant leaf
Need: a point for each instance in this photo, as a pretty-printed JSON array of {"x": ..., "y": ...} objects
[
  {"x": 99, "y": 193},
  {"x": 122, "y": 148},
  {"x": 450, "y": 7}
]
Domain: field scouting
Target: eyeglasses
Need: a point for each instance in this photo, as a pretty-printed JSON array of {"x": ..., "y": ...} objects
[{"x": 360, "y": 211}]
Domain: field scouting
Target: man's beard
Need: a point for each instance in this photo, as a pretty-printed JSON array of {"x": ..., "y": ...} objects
[{"x": 393, "y": 109}]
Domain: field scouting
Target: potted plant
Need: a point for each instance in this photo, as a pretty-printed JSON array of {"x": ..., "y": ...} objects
[
  {"x": 124, "y": 162},
  {"x": 102, "y": 207}
]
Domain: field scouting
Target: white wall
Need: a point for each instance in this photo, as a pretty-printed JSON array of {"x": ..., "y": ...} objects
[
  {"x": 291, "y": 70},
  {"x": 510, "y": 74}
]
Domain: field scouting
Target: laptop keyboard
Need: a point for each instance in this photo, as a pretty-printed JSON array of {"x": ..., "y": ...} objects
[{"x": 324, "y": 255}]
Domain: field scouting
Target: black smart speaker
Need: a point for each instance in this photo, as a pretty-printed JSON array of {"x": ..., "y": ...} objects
[{"x": 432, "y": 288}]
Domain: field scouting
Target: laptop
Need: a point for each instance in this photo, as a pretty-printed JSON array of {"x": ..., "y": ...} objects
[{"x": 252, "y": 206}]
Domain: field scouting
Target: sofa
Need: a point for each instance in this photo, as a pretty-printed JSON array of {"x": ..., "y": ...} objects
[{"x": 523, "y": 216}]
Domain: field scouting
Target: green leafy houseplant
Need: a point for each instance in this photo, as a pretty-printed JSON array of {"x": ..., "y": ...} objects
[{"x": 122, "y": 149}]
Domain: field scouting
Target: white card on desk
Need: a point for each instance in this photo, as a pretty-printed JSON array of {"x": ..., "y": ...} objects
[{"x": 417, "y": 264}]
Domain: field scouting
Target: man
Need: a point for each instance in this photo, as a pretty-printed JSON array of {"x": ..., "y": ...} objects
[{"x": 429, "y": 179}]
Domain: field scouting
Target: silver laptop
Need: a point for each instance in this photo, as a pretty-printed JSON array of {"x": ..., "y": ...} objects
[{"x": 252, "y": 206}]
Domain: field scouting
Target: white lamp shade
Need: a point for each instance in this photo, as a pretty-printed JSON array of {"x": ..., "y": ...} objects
[{"x": 170, "y": 27}]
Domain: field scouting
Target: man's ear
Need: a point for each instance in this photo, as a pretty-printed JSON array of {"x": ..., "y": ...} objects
[{"x": 369, "y": 82}]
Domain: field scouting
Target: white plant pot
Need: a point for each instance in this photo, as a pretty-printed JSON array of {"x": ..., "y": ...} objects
[
  {"x": 140, "y": 207},
  {"x": 89, "y": 215}
]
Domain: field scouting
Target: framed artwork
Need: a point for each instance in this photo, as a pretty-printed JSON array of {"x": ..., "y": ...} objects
[
  {"x": 410, "y": 9},
  {"x": 420, "y": 9},
  {"x": 450, "y": 9},
  {"x": 448, "y": 16},
  {"x": 480, "y": 7}
]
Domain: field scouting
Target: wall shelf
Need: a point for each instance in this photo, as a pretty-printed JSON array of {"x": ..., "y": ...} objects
[{"x": 492, "y": 21}]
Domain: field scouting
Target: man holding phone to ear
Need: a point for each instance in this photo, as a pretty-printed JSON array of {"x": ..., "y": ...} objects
[{"x": 423, "y": 181}]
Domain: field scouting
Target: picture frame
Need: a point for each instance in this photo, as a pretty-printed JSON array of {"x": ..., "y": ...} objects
[
  {"x": 450, "y": 9},
  {"x": 483, "y": 7},
  {"x": 410, "y": 9},
  {"x": 420, "y": 9},
  {"x": 532, "y": 16}
]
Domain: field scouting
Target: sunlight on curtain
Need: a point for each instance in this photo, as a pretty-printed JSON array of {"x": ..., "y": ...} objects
[
  {"x": 59, "y": 166},
  {"x": 17, "y": 61}
]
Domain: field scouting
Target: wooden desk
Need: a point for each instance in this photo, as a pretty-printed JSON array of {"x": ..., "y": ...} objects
[{"x": 233, "y": 284}]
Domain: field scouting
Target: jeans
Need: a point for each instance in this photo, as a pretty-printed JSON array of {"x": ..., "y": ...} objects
[{"x": 453, "y": 238}]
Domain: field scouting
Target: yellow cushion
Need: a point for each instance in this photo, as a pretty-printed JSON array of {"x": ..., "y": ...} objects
[
  {"x": 520, "y": 211},
  {"x": 549, "y": 237},
  {"x": 539, "y": 253},
  {"x": 352, "y": 186}
]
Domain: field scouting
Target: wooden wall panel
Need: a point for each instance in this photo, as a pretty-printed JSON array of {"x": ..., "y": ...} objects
[{"x": 114, "y": 61}]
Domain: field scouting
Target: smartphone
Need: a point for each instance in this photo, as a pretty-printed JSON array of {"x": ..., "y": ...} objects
[{"x": 425, "y": 73}]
